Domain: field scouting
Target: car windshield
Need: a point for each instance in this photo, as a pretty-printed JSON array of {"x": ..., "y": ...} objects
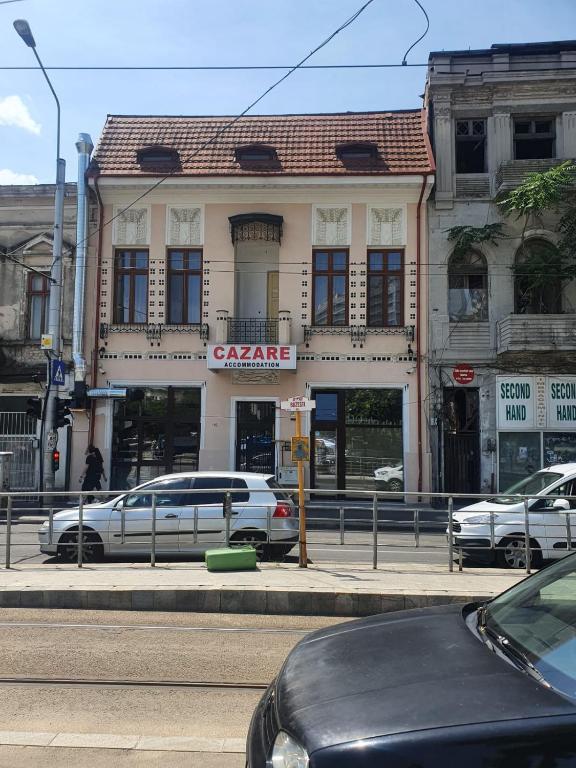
[
  {"x": 537, "y": 618},
  {"x": 534, "y": 484}
]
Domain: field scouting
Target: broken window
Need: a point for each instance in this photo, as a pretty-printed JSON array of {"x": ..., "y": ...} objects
[
  {"x": 534, "y": 138},
  {"x": 470, "y": 146},
  {"x": 468, "y": 288}
]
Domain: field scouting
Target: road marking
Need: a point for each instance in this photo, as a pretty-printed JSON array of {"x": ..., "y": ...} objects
[{"x": 136, "y": 742}]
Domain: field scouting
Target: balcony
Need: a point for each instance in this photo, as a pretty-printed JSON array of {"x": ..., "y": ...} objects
[
  {"x": 536, "y": 333},
  {"x": 253, "y": 330},
  {"x": 513, "y": 172}
]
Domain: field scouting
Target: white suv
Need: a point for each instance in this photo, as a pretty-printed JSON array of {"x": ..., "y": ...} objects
[
  {"x": 262, "y": 514},
  {"x": 550, "y": 521}
]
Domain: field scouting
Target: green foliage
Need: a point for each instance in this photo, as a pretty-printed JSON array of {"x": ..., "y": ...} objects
[
  {"x": 539, "y": 192},
  {"x": 466, "y": 237},
  {"x": 545, "y": 269}
]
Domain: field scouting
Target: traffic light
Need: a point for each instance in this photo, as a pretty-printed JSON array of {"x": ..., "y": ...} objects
[
  {"x": 55, "y": 461},
  {"x": 34, "y": 410},
  {"x": 62, "y": 411}
]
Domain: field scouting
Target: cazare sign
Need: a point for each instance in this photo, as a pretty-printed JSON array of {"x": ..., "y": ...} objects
[{"x": 252, "y": 356}]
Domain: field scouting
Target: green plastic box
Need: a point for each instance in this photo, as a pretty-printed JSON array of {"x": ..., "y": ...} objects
[{"x": 231, "y": 559}]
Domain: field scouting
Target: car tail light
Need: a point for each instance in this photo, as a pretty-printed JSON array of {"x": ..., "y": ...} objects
[{"x": 282, "y": 510}]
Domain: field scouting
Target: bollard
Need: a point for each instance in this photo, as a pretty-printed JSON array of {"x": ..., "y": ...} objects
[
  {"x": 153, "y": 547},
  {"x": 568, "y": 532},
  {"x": 416, "y": 528},
  {"x": 8, "y": 530},
  {"x": 227, "y": 510},
  {"x": 50, "y": 525},
  {"x": 195, "y": 525},
  {"x": 122, "y": 525},
  {"x": 450, "y": 535},
  {"x": 341, "y": 525},
  {"x": 527, "y": 536},
  {"x": 80, "y": 530},
  {"x": 375, "y": 532},
  {"x": 268, "y": 524}
]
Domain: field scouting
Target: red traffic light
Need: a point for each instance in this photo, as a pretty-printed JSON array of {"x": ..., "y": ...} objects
[{"x": 55, "y": 460}]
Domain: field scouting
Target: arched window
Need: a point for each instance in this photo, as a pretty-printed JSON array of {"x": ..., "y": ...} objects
[
  {"x": 537, "y": 279},
  {"x": 468, "y": 288}
]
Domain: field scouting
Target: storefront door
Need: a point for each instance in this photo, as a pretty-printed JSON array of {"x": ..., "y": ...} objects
[
  {"x": 461, "y": 440},
  {"x": 357, "y": 439},
  {"x": 155, "y": 435},
  {"x": 255, "y": 436}
]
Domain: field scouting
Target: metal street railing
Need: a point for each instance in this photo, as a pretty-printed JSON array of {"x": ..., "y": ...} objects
[{"x": 179, "y": 522}]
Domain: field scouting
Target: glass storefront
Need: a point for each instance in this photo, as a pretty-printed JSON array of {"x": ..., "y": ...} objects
[
  {"x": 155, "y": 435},
  {"x": 520, "y": 454},
  {"x": 357, "y": 439}
]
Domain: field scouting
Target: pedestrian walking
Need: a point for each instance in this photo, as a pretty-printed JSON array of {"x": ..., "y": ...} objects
[{"x": 93, "y": 471}]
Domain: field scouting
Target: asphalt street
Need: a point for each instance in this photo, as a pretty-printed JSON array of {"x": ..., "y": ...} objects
[
  {"x": 85, "y": 688},
  {"x": 394, "y": 546}
]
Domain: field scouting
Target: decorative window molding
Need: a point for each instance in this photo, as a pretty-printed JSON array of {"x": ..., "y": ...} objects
[
  {"x": 132, "y": 226},
  {"x": 386, "y": 226},
  {"x": 331, "y": 225},
  {"x": 184, "y": 226},
  {"x": 256, "y": 226}
]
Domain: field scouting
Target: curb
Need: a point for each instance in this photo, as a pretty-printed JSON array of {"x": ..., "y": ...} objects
[{"x": 241, "y": 600}]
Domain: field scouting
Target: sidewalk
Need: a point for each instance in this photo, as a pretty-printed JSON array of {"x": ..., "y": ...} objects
[{"x": 327, "y": 589}]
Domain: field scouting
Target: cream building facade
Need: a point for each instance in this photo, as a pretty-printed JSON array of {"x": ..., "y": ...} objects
[{"x": 282, "y": 259}]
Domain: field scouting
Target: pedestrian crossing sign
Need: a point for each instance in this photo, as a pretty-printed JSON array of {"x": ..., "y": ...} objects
[{"x": 58, "y": 373}]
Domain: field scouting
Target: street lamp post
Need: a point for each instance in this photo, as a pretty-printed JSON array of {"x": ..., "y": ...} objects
[{"x": 55, "y": 309}]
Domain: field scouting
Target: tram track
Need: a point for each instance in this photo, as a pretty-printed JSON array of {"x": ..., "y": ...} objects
[
  {"x": 151, "y": 628},
  {"x": 70, "y": 682}
]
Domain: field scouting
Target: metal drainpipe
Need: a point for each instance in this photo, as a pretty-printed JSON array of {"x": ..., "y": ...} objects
[
  {"x": 417, "y": 329},
  {"x": 94, "y": 376},
  {"x": 84, "y": 146}
]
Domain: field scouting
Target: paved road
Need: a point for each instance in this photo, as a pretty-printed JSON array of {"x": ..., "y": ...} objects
[
  {"x": 324, "y": 546},
  {"x": 152, "y": 722}
]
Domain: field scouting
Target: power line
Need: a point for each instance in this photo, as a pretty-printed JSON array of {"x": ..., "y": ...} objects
[{"x": 455, "y": 69}]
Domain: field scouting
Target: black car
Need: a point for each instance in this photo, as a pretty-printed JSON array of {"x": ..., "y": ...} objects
[{"x": 480, "y": 686}]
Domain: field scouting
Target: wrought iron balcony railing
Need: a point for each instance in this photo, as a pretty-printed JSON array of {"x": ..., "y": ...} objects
[{"x": 252, "y": 330}]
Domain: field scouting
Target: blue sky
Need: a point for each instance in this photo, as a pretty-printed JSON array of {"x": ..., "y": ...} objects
[{"x": 219, "y": 32}]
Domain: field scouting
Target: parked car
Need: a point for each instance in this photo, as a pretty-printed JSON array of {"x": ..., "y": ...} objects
[
  {"x": 546, "y": 521},
  {"x": 390, "y": 478},
  {"x": 475, "y": 685},
  {"x": 124, "y": 524}
]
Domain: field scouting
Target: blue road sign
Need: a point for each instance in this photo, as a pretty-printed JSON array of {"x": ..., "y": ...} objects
[{"x": 58, "y": 372}]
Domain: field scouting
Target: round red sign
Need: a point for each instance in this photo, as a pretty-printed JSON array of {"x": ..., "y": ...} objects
[{"x": 463, "y": 373}]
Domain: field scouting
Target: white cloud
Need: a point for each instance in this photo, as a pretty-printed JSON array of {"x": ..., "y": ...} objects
[
  {"x": 10, "y": 177},
  {"x": 14, "y": 112}
]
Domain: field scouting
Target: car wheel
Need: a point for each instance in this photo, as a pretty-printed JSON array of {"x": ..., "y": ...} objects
[
  {"x": 395, "y": 485},
  {"x": 255, "y": 539},
  {"x": 511, "y": 553},
  {"x": 92, "y": 548}
]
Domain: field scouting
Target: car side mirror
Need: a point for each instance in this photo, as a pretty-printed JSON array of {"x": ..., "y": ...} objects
[{"x": 561, "y": 504}]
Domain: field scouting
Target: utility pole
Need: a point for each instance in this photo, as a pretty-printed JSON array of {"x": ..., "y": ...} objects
[{"x": 55, "y": 309}]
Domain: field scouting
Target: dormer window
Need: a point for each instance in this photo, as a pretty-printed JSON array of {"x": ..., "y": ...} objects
[
  {"x": 158, "y": 156},
  {"x": 256, "y": 153},
  {"x": 359, "y": 152}
]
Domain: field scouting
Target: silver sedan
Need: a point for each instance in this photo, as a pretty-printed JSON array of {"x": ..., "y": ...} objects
[{"x": 189, "y": 518}]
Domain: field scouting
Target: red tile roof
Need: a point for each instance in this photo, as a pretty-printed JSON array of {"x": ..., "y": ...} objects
[{"x": 305, "y": 144}]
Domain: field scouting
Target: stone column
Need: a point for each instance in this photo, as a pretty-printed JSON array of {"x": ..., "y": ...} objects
[
  {"x": 284, "y": 323},
  {"x": 444, "y": 148},
  {"x": 499, "y": 143},
  {"x": 568, "y": 150},
  {"x": 221, "y": 333}
]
